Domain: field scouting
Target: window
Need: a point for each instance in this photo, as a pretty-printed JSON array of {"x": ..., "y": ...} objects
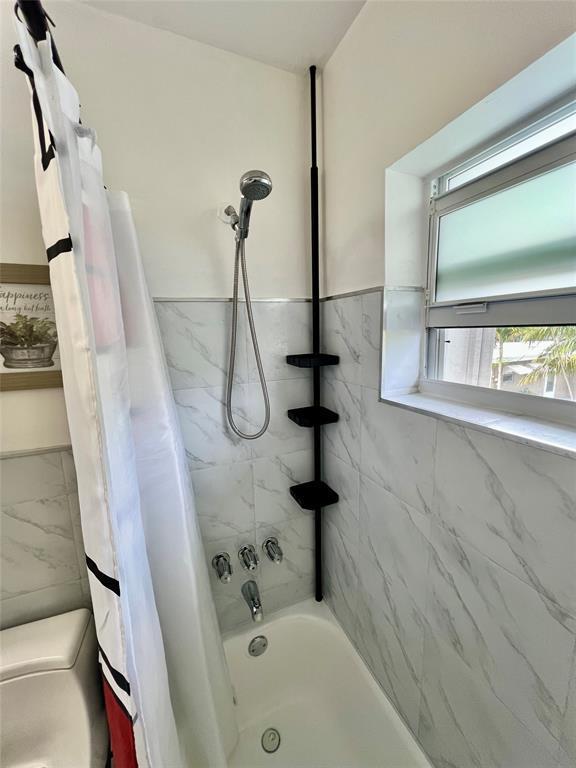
[
  {"x": 550, "y": 384},
  {"x": 530, "y": 360},
  {"x": 501, "y": 298}
]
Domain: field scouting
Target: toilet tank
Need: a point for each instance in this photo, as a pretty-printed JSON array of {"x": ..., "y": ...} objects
[{"x": 50, "y": 691}]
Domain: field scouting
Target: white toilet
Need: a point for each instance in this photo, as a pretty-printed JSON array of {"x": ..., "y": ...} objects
[{"x": 52, "y": 707}]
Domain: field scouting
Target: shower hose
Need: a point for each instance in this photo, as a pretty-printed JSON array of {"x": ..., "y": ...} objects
[{"x": 240, "y": 260}]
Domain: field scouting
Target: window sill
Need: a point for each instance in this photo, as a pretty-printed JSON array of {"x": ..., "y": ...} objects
[{"x": 537, "y": 433}]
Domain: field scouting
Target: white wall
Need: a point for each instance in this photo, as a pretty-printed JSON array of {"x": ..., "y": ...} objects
[
  {"x": 404, "y": 70},
  {"x": 178, "y": 123}
]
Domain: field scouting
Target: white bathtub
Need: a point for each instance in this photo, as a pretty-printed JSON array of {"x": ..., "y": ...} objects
[{"x": 312, "y": 686}]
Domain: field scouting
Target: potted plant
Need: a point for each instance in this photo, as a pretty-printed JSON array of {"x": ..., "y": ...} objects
[{"x": 28, "y": 342}]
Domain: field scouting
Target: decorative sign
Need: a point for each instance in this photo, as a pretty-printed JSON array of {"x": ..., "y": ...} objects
[{"x": 28, "y": 342}]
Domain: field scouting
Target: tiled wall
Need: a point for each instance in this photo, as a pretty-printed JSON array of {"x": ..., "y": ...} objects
[
  {"x": 43, "y": 569},
  {"x": 450, "y": 559},
  {"x": 241, "y": 486},
  {"x": 451, "y": 564}
]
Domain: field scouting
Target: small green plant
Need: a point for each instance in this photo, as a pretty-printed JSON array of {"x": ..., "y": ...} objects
[{"x": 27, "y": 332}]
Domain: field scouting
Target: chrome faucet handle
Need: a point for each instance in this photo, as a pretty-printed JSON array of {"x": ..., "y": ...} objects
[
  {"x": 248, "y": 557},
  {"x": 273, "y": 549},
  {"x": 223, "y": 567}
]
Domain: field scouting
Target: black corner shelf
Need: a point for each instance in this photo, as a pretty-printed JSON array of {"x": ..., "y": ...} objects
[
  {"x": 312, "y": 360},
  {"x": 312, "y": 416},
  {"x": 314, "y": 495}
]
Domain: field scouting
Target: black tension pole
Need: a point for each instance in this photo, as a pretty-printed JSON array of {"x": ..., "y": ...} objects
[
  {"x": 315, "y": 249},
  {"x": 316, "y": 494}
]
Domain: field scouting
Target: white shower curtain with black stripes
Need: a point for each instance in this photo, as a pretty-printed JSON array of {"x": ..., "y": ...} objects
[{"x": 167, "y": 692}]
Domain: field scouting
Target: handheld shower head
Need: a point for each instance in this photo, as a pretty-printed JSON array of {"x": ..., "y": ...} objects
[{"x": 254, "y": 185}]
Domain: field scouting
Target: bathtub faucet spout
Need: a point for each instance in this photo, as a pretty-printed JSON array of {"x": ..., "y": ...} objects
[{"x": 251, "y": 594}]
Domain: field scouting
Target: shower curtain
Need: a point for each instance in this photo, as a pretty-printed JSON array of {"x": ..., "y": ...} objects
[{"x": 167, "y": 692}]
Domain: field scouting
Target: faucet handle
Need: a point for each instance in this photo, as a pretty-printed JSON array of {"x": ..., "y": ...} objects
[
  {"x": 273, "y": 549},
  {"x": 248, "y": 557},
  {"x": 223, "y": 567}
]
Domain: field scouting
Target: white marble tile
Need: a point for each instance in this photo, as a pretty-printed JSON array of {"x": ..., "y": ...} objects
[
  {"x": 464, "y": 725},
  {"x": 567, "y": 751},
  {"x": 370, "y": 350},
  {"x": 69, "y": 470},
  {"x": 232, "y": 612},
  {"x": 340, "y": 575},
  {"x": 342, "y": 335},
  {"x": 224, "y": 498},
  {"x": 41, "y": 604},
  {"x": 74, "y": 505},
  {"x": 286, "y": 594},
  {"x": 515, "y": 504},
  {"x": 39, "y": 476},
  {"x": 504, "y": 631},
  {"x": 196, "y": 339},
  {"x": 283, "y": 436},
  {"x": 446, "y": 409},
  {"x": 343, "y": 437},
  {"x": 543, "y": 435},
  {"x": 207, "y": 438},
  {"x": 564, "y": 761},
  {"x": 403, "y": 329},
  {"x": 283, "y": 328},
  {"x": 397, "y": 450},
  {"x": 395, "y": 536},
  {"x": 377, "y": 642},
  {"x": 535, "y": 432},
  {"x": 37, "y": 547},
  {"x": 393, "y": 566},
  {"x": 341, "y": 542},
  {"x": 296, "y": 539},
  {"x": 273, "y": 477},
  {"x": 345, "y": 480}
]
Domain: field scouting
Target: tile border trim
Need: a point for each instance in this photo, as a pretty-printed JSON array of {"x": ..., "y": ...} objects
[{"x": 283, "y": 300}]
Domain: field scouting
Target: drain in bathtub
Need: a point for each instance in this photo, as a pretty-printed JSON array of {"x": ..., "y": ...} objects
[
  {"x": 270, "y": 740},
  {"x": 257, "y": 645}
]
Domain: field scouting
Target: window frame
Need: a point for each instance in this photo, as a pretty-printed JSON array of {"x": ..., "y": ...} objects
[
  {"x": 546, "y": 119},
  {"x": 549, "y": 307},
  {"x": 562, "y": 152}
]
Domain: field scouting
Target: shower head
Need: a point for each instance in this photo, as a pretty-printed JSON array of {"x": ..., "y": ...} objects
[{"x": 254, "y": 185}]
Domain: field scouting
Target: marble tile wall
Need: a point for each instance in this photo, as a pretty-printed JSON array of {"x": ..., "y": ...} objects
[
  {"x": 42, "y": 564},
  {"x": 450, "y": 561},
  {"x": 241, "y": 486}
]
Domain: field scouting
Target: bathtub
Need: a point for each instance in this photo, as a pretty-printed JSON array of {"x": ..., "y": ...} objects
[{"x": 314, "y": 689}]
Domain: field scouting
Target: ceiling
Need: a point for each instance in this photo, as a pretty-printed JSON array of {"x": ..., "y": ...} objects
[{"x": 290, "y": 34}]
